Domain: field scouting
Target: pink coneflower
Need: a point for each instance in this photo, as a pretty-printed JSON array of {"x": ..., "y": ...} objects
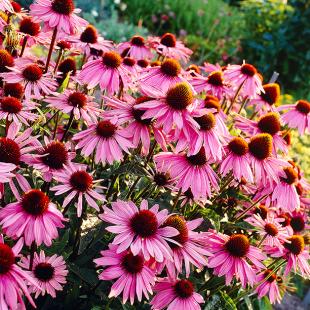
[
  {"x": 140, "y": 230},
  {"x": 6, "y": 60},
  {"x": 51, "y": 158},
  {"x": 31, "y": 76},
  {"x": 34, "y": 217},
  {"x": 76, "y": 102},
  {"x": 80, "y": 184},
  {"x": 135, "y": 48},
  {"x": 267, "y": 123},
  {"x": 139, "y": 128},
  {"x": 162, "y": 77},
  {"x": 298, "y": 115},
  {"x": 208, "y": 67},
  {"x": 268, "y": 284},
  {"x": 189, "y": 249},
  {"x": 31, "y": 33},
  {"x": 284, "y": 193},
  {"x": 246, "y": 77},
  {"x": 15, "y": 90},
  {"x": 49, "y": 273},
  {"x": 299, "y": 222},
  {"x": 89, "y": 39},
  {"x": 272, "y": 232},
  {"x": 295, "y": 253},
  {"x": 231, "y": 256},
  {"x": 172, "y": 109},
  {"x": 135, "y": 278},
  {"x": 6, "y": 5},
  {"x": 13, "y": 110},
  {"x": 192, "y": 172},
  {"x": 130, "y": 65},
  {"x": 108, "y": 71},
  {"x": 169, "y": 46},
  {"x": 60, "y": 14},
  {"x": 237, "y": 160},
  {"x": 107, "y": 138},
  {"x": 6, "y": 171},
  {"x": 213, "y": 84},
  {"x": 13, "y": 280},
  {"x": 265, "y": 167},
  {"x": 176, "y": 294}
]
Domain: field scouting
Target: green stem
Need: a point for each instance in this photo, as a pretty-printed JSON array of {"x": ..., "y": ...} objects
[
  {"x": 23, "y": 46},
  {"x": 68, "y": 126},
  {"x": 49, "y": 56},
  {"x": 176, "y": 200}
]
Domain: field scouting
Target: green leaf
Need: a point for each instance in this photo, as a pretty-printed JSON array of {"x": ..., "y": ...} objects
[
  {"x": 220, "y": 301},
  {"x": 64, "y": 84}
]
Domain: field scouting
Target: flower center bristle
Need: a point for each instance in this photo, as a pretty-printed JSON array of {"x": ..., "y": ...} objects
[
  {"x": 7, "y": 258},
  {"x": 143, "y": 63},
  {"x": 137, "y": 114},
  {"x": 238, "y": 245},
  {"x": 272, "y": 93},
  {"x": 199, "y": 159},
  {"x": 193, "y": 68},
  {"x": 16, "y": 7},
  {"x": 269, "y": 123},
  {"x": 303, "y": 106},
  {"x": 29, "y": 27},
  {"x": 287, "y": 137},
  {"x": 144, "y": 223},
  {"x": 11, "y": 105},
  {"x": 248, "y": 69},
  {"x": 161, "y": 179},
  {"x": 111, "y": 60},
  {"x": 180, "y": 96},
  {"x": 81, "y": 181},
  {"x": 137, "y": 41},
  {"x": 63, "y": 44},
  {"x": 271, "y": 229},
  {"x": 296, "y": 245},
  {"x": 14, "y": 90},
  {"x": 35, "y": 202},
  {"x": 287, "y": 219},
  {"x": 6, "y": 60},
  {"x": 177, "y": 222},
  {"x": 291, "y": 175},
  {"x": 44, "y": 272},
  {"x": 32, "y": 73},
  {"x": 238, "y": 146},
  {"x": 206, "y": 122},
  {"x": 77, "y": 99},
  {"x": 298, "y": 223},
  {"x": 133, "y": 264},
  {"x": 155, "y": 63},
  {"x": 168, "y": 39},
  {"x": 184, "y": 289},
  {"x": 128, "y": 61},
  {"x": 270, "y": 274},
  {"x": 55, "y": 155},
  {"x": 89, "y": 35},
  {"x": 67, "y": 65},
  {"x": 261, "y": 210},
  {"x": 212, "y": 102},
  {"x": 9, "y": 151},
  {"x": 105, "y": 129},
  {"x": 125, "y": 52},
  {"x": 64, "y": 7},
  {"x": 260, "y": 146},
  {"x": 216, "y": 78},
  {"x": 171, "y": 67}
]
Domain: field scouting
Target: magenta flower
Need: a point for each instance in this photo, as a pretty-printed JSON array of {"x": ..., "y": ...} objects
[
  {"x": 6, "y": 5},
  {"x": 269, "y": 286},
  {"x": 81, "y": 105},
  {"x": 78, "y": 183},
  {"x": 299, "y": 221},
  {"x": 298, "y": 115},
  {"x": 13, "y": 280},
  {"x": 136, "y": 48},
  {"x": 134, "y": 277},
  {"x": 237, "y": 160},
  {"x": 175, "y": 294},
  {"x": 34, "y": 217},
  {"x": 60, "y": 14},
  {"x": 31, "y": 76},
  {"x": 48, "y": 272},
  {"x": 107, "y": 138},
  {"x": 192, "y": 172},
  {"x": 140, "y": 230},
  {"x": 108, "y": 72},
  {"x": 246, "y": 77},
  {"x": 231, "y": 256},
  {"x": 6, "y": 171}
]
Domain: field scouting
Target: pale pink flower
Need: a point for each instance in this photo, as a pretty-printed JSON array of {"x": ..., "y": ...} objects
[
  {"x": 60, "y": 14},
  {"x": 208, "y": 67},
  {"x": 176, "y": 294},
  {"x": 49, "y": 273},
  {"x": 134, "y": 277},
  {"x": 33, "y": 217},
  {"x": 140, "y": 230},
  {"x": 6, "y": 171},
  {"x": 136, "y": 48},
  {"x": 79, "y": 184},
  {"x": 6, "y": 5}
]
